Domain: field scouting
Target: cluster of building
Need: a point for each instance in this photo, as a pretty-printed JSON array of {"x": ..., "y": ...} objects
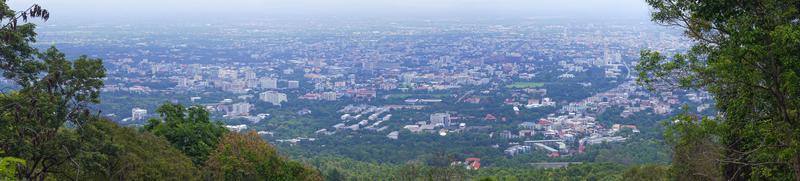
[
  {"x": 367, "y": 118},
  {"x": 572, "y": 124}
]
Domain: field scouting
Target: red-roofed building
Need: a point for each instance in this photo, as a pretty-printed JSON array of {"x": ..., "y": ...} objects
[
  {"x": 490, "y": 117},
  {"x": 544, "y": 122},
  {"x": 473, "y": 100},
  {"x": 617, "y": 127},
  {"x": 310, "y": 96},
  {"x": 509, "y": 101},
  {"x": 473, "y": 163}
]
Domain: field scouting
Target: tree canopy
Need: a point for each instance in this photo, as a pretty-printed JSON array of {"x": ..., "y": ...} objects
[
  {"x": 112, "y": 152},
  {"x": 248, "y": 157},
  {"x": 745, "y": 55},
  {"x": 188, "y": 129},
  {"x": 52, "y": 92}
]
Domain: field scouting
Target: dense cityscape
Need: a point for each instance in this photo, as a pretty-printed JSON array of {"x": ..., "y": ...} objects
[{"x": 526, "y": 87}]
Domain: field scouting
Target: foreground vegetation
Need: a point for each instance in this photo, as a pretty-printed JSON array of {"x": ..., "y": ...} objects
[
  {"x": 745, "y": 55},
  {"x": 337, "y": 168}
]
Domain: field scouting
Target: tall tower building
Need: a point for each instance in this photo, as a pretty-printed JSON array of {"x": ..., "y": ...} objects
[
  {"x": 138, "y": 114},
  {"x": 293, "y": 84},
  {"x": 268, "y": 83},
  {"x": 276, "y": 98},
  {"x": 440, "y": 118}
]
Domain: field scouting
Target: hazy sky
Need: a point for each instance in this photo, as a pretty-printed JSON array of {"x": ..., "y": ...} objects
[{"x": 199, "y": 9}]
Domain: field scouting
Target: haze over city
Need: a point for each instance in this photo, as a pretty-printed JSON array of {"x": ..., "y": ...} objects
[{"x": 214, "y": 10}]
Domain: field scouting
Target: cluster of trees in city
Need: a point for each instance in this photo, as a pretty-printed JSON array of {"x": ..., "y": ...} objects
[
  {"x": 372, "y": 147},
  {"x": 51, "y": 133},
  {"x": 569, "y": 90}
]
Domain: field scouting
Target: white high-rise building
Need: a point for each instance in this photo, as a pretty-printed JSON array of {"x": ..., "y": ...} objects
[
  {"x": 268, "y": 83},
  {"x": 293, "y": 84},
  {"x": 440, "y": 118},
  {"x": 138, "y": 114},
  {"x": 227, "y": 74},
  {"x": 240, "y": 109},
  {"x": 249, "y": 74},
  {"x": 329, "y": 96},
  {"x": 276, "y": 98}
]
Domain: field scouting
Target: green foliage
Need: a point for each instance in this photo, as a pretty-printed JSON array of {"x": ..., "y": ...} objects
[
  {"x": 349, "y": 169},
  {"x": 634, "y": 151},
  {"x": 248, "y": 157},
  {"x": 8, "y": 167},
  {"x": 745, "y": 54},
  {"x": 487, "y": 179},
  {"x": 414, "y": 170},
  {"x": 522, "y": 85},
  {"x": 190, "y": 130},
  {"x": 112, "y": 152},
  {"x": 696, "y": 149},
  {"x": 647, "y": 172},
  {"x": 53, "y": 92},
  {"x": 334, "y": 175},
  {"x": 648, "y": 123},
  {"x": 593, "y": 171},
  {"x": 375, "y": 147}
]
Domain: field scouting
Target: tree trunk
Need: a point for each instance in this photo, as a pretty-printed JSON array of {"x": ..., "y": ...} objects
[
  {"x": 796, "y": 167},
  {"x": 737, "y": 170}
]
